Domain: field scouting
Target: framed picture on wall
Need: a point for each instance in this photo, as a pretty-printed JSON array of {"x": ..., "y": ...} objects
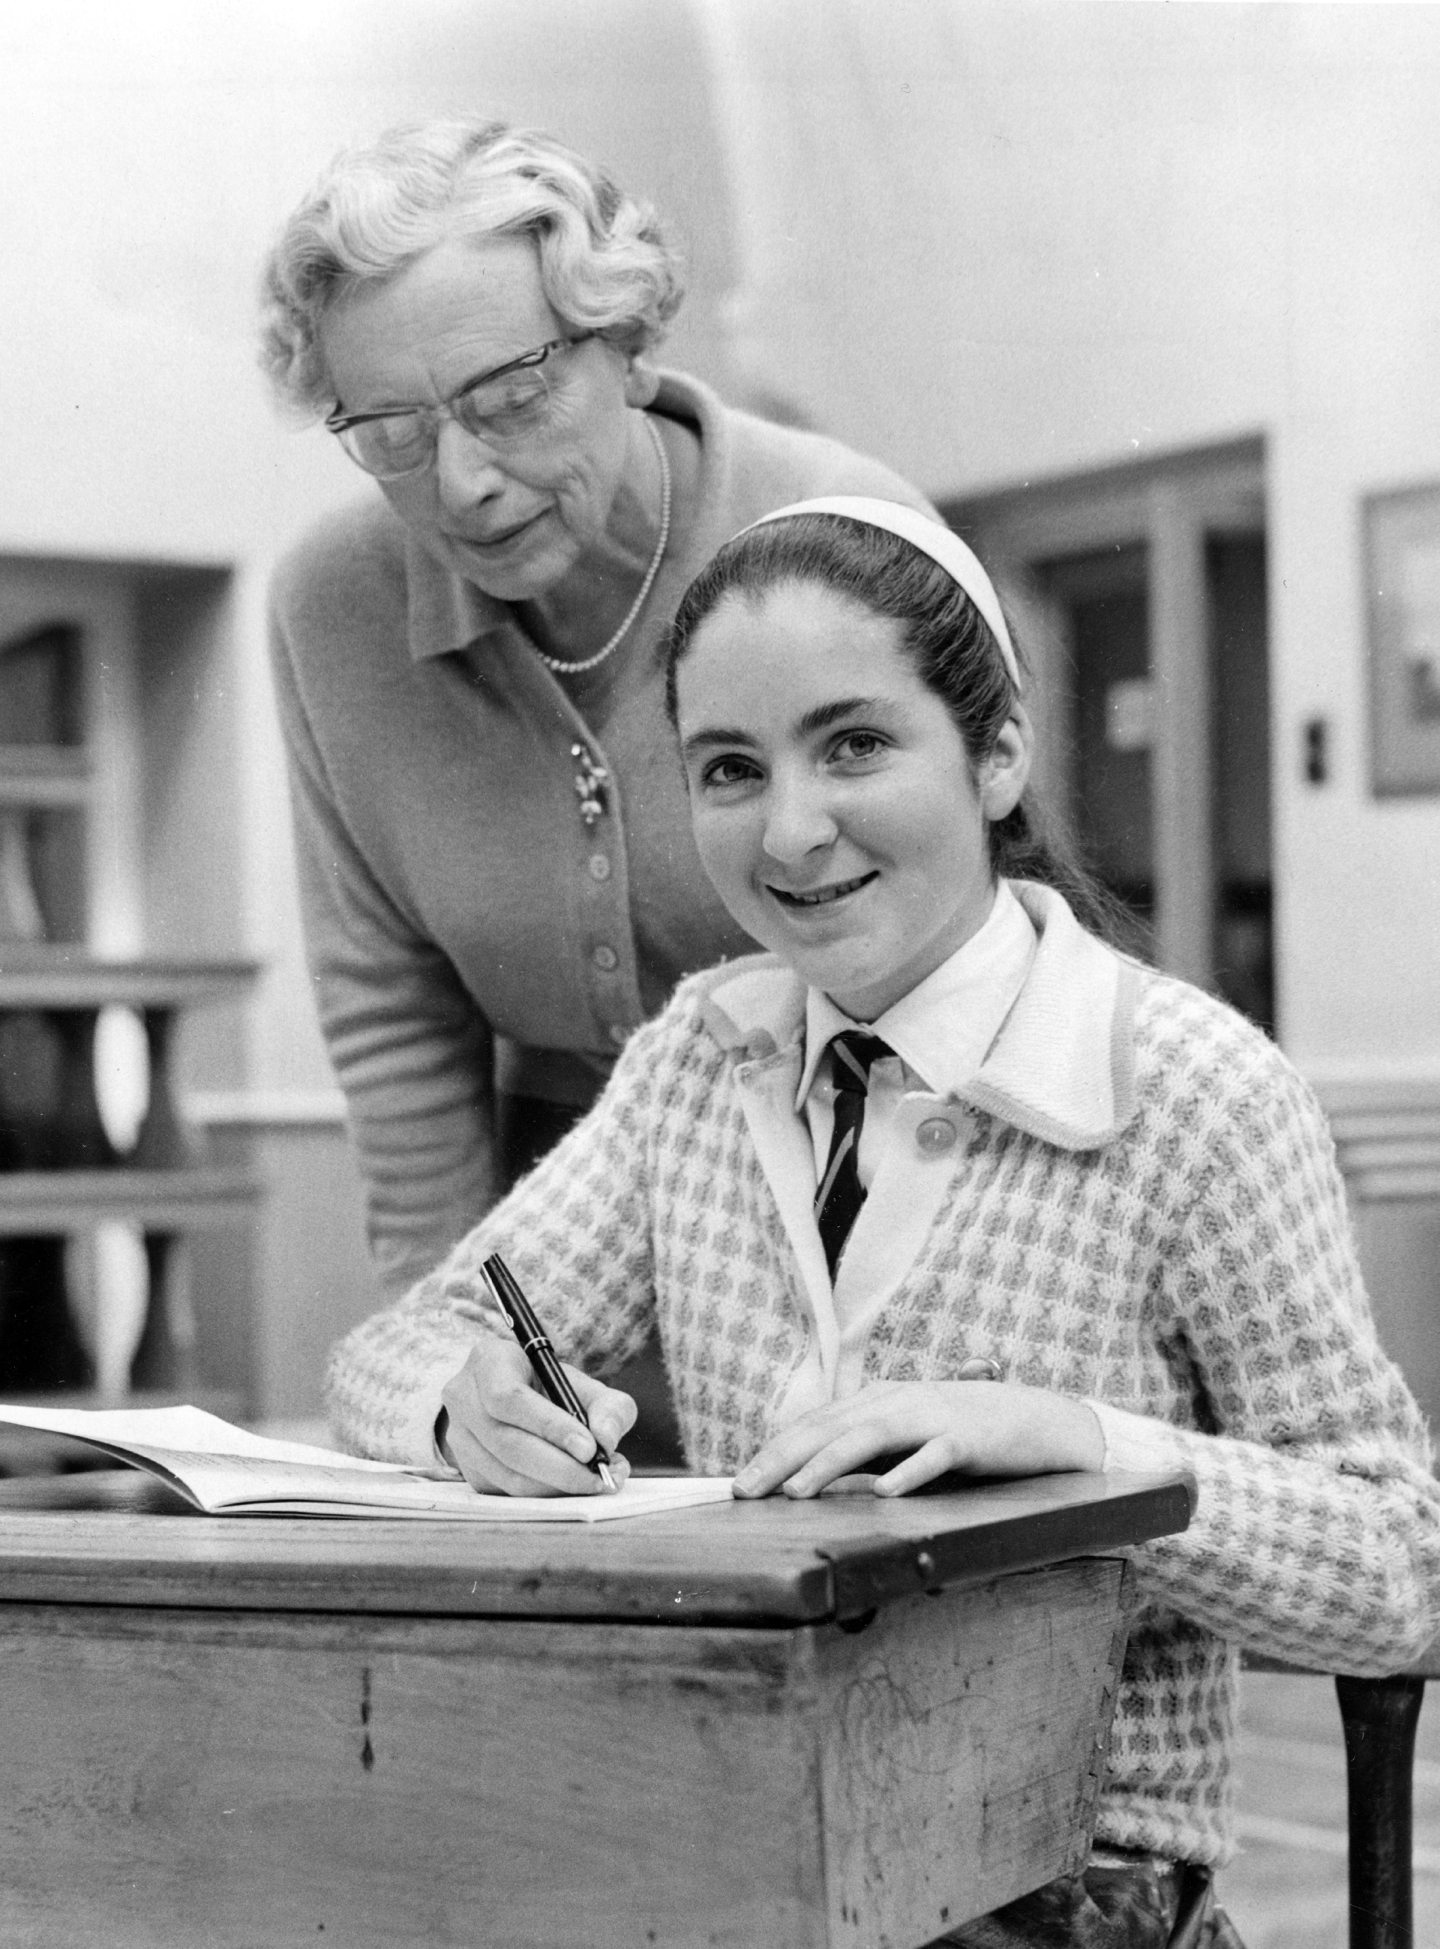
[{"x": 1402, "y": 578}]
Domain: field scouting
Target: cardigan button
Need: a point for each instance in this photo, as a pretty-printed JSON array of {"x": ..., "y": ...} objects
[
  {"x": 761, "y": 1046},
  {"x": 605, "y": 958},
  {"x": 935, "y": 1136}
]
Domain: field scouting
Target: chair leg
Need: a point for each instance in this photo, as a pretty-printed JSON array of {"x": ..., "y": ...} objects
[{"x": 1380, "y": 1716}]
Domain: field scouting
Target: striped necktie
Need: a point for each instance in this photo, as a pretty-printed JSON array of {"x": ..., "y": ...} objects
[{"x": 840, "y": 1195}]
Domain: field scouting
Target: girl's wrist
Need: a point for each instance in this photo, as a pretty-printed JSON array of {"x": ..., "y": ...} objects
[{"x": 1089, "y": 1437}]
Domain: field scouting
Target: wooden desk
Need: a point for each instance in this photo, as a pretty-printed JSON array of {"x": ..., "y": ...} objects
[{"x": 765, "y": 1726}]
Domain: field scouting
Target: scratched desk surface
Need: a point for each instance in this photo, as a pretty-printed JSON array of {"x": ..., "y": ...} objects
[{"x": 120, "y": 1537}]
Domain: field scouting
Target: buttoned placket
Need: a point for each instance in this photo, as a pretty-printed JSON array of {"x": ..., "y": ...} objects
[
  {"x": 596, "y": 863},
  {"x": 766, "y": 1088},
  {"x": 927, "y": 1138}
]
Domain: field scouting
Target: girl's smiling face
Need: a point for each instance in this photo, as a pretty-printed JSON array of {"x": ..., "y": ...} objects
[{"x": 835, "y": 807}]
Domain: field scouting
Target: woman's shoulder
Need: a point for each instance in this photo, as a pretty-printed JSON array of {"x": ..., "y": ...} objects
[
  {"x": 764, "y": 463},
  {"x": 355, "y": 545},
  {"x": 694, "y": 997},
  {"x": 1207, "y": 1063},
  {"x": 795, "y": 463},
  {"x": 683, "y": 1014},
  {"x": 711, "y": 1015},
  {"x": 1175, "y": 1018}
]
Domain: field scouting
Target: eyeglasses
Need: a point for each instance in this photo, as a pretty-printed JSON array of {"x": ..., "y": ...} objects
[{"x": 504, "y": 408}]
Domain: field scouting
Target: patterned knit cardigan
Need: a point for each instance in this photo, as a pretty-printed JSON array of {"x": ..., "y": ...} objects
[{"x": 1186, "y": 1262}]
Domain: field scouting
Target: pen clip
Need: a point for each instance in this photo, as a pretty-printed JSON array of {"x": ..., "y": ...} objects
[{"x": 497, "y": 1296}]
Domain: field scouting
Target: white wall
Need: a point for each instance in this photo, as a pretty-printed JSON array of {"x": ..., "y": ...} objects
[{"x": 1000, "y": 242}]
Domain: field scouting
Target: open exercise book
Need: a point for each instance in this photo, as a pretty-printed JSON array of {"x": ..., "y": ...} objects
[{"x": 227, "y": 1471}]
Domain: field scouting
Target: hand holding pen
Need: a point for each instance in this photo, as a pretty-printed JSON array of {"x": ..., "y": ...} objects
[
  {"x": 535, "y": 1345},
  {"x": 500, "y": 1424}
]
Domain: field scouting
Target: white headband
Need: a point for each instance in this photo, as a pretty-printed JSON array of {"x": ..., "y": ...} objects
[{"x": 941, "y": 544}]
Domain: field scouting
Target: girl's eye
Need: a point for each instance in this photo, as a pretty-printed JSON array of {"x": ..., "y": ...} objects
[
  {"x": 858, "y": 745},
  {"x": 728, "y": 770}
]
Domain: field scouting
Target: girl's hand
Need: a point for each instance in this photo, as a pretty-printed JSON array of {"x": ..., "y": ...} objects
[
  {"x": 975, "y": 1427},
  {"x": 507, "y": 1439}
]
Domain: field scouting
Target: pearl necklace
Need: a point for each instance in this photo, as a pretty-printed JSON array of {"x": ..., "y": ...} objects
[{"x": 559, "y": 664}]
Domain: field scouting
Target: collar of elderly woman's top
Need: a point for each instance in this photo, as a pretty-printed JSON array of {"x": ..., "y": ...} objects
[
  {"x": 1061, "y": 1068},
  {"x": 445, "y": 612}
]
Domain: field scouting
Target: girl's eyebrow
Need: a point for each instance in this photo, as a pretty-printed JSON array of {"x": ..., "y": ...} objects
[
  {"x": 711, "y": 739},
  {"x": 838, "y": 709}
]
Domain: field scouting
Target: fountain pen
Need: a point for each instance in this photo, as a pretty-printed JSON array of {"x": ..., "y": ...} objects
[{"x": 535, "y": 1344}]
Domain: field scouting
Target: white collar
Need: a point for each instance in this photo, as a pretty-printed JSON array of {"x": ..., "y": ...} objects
[
  {"x": 943, "y": 1028},
  {"x": 1061, "y": 1067}
]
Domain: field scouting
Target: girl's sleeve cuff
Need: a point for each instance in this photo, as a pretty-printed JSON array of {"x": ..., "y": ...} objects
[{"x": 1136, "y": 1443}]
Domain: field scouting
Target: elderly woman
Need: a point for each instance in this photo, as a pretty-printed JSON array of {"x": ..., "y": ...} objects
[{"x": 497, "y": 872}]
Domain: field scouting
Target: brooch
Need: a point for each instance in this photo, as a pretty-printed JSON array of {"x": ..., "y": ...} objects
[{"x": 591, "y": 779}]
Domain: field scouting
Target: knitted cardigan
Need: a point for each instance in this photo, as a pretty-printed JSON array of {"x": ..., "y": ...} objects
[{"x": 1151, "y": 1220}]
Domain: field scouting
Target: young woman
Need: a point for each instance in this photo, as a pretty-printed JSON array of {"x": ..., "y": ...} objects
[{"x": 1026, "y": 1156}]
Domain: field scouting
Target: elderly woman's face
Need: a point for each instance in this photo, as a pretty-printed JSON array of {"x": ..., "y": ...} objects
[{"x": 515, "y": 522}]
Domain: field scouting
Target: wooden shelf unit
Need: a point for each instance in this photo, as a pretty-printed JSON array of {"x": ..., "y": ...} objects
[{"x": 61, "y": 1178}]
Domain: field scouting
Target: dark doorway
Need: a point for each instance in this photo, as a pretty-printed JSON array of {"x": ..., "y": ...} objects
[{"x": 1142, "y": 595}]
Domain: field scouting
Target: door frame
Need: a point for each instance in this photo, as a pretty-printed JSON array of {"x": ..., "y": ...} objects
[{"x": 1170, "y": 505}]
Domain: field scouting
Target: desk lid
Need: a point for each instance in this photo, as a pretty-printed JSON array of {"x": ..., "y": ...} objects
[{"x": 117, "y": 1537}]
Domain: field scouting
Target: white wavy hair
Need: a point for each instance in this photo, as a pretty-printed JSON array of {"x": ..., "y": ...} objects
[{"x": 604, "y": 265}]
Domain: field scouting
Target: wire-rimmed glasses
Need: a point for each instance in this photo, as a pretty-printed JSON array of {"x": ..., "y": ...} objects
[{"x": 504, "y": 408}]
